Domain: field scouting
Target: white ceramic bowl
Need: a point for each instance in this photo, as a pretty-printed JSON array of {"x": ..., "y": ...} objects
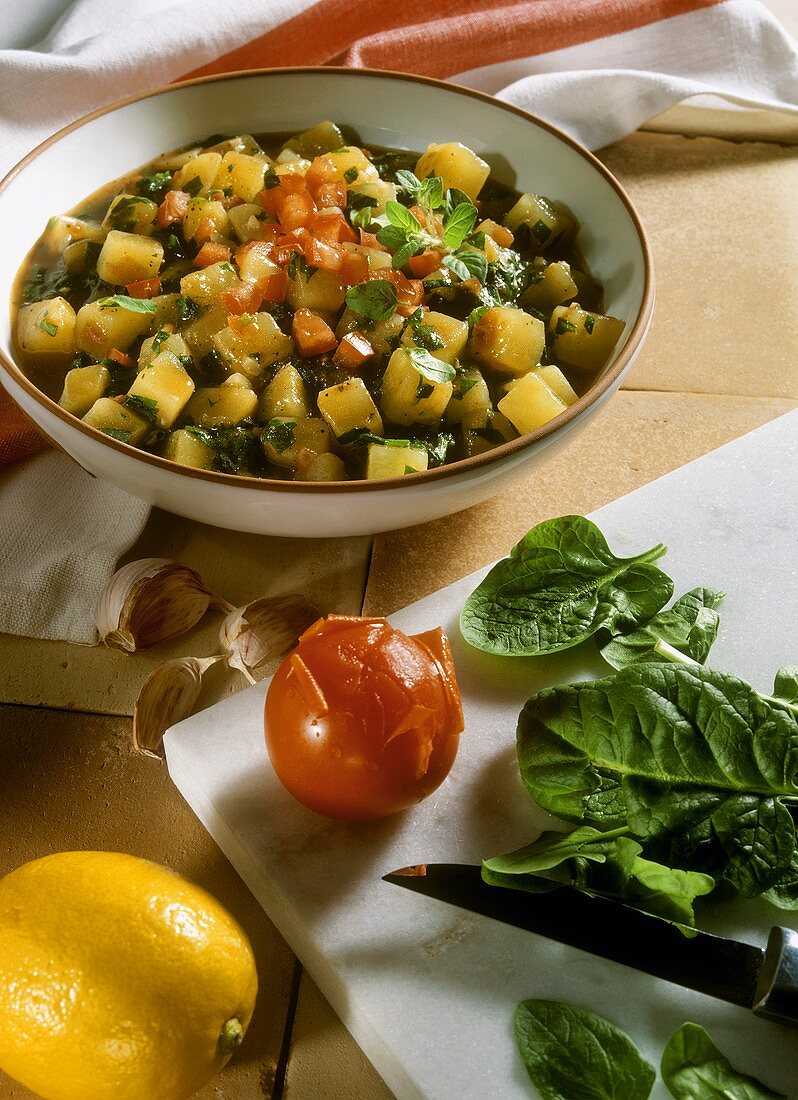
[{"x": 389, "y": 109}]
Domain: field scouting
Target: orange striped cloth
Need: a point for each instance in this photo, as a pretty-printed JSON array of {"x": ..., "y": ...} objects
[{"x": 597, "y": 68}]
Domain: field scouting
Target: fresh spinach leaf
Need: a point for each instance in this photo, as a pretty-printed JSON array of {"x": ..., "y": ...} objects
[
  {"x": 560, "y": 585},
  {"x": 690, "y": 627},
  {"x": 604, "y": 864},
  {"x": 424, "y": 335},
  {"x": 784, "y": 894},
  {"x": 507, "y": 277},
  {"x": 375, "y": 300},
  {"x": 785, "y": 686},
  {"x": 571, "y": 1054},
  {"x": 187, "y": 309},
  {"x": 672, "y": 752},
  {"x": 434, "y": 370},
  {"x": 154, "y": 187},
  {"x": 693, "y": 1068}
]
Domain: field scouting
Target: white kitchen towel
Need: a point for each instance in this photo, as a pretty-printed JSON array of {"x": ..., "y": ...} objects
[{"x": 598, "y": 69}]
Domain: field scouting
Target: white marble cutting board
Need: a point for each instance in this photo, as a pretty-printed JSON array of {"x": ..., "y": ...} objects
[{"x": 427, "y": 990}]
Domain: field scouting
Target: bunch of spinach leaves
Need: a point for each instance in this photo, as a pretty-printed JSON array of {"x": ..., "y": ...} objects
[
  {"x": 570, "y": 1053},
  {"x": 674, "y": 775}
]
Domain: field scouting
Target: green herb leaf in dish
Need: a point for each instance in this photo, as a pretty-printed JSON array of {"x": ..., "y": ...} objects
[
  {"x": 375, "y": 300},
  {"x": 560, "y": 585},
  {"x": 572, "y": 1054}
]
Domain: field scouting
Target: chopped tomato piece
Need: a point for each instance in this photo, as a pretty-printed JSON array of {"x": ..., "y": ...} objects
[
  {"x": 312, "y": 334},
  {"x": 502, "y": 236},
  {"x": 173, "y": 208},
  {"x": 291, "y": 182},
  {"x": 239, "y": 322},
  {"x": 322, "y": 170},
  {"x": 264, "y": 249},
  {"x": 205, "y": 230},
  {"x": 121, "y": 358},
  {"x": 369, "y": 240},
  {"x": 323, "y": 255},
  {"x": 354, "y": 269},
  {"x": 244, "y": 298},
  {"x": 272, "y": 198},
  {"x": 270, "y": 231},
  {"x": 331, "y": 194},
  {"x": 211, "y": 253},
  {"x": 426, "y": 263},
  {"x": 331, "y": 227},
  {"x": 144, "y": 288},
  {"x": 353, "y": 351},
  {"x": 273, "y": 287},
  {"x": 296, "y": 209}
]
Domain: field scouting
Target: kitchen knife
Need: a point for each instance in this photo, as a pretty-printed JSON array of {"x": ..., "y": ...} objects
[{"x": 765, "y": 980}]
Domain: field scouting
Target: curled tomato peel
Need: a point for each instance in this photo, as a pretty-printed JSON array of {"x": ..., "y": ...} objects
[{"x": 363, "y": 721}]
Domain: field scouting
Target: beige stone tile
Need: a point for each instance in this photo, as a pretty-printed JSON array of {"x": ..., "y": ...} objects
[
  {"x": 721, "y": 220},
  {"x": 325, "y": 1061},
  {"x": 71, "y": 781},
  {"x": 638, "y": 438},
  {"x": 237, "y": 566}
]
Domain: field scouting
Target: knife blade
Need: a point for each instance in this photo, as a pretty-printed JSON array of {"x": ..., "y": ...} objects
[{"x": 762, "y": 979}]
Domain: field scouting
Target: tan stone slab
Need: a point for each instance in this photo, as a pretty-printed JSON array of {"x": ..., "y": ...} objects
[
  {"x": 326, "y": 1063},
  {"x": 72, "y": 782},
  {"x": 239, "y": 567},
  {"x": 638, "y": 438},
  {"x": 721, "y": 219}
]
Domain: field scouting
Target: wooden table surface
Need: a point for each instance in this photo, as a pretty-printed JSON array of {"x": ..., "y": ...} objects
[{"x": 720, "y": 361}]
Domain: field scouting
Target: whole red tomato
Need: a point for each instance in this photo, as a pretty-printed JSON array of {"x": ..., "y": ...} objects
[{"x": 362, "y": 720}]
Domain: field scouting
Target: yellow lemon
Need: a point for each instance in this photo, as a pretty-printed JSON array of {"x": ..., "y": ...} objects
[{"x": 119, "y": 979}]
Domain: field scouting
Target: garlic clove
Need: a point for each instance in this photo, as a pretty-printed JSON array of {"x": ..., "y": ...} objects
[
  {"x": 151, "y": 600},
  {"x": 167, "y": 696},
  {"x": 255, "y": 635}
]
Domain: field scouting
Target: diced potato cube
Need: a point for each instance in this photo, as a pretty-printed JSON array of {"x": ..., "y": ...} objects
[
  {"x": 131, "y": 214},
  {"x": 166, "y": 382},
  {"x": 162, "y": 341},
  {"x": 285, "y": 438},
  {"x": 206, "y": 286},
  {"x": 470, "y": 396},
  {"x": 255, "y": 265},
  {"x": 127, "y": 257},
  {"x": 408, "y": 397},
  {"x": 381, "y": 190},
  {"x": 452, "y": 332},
  {"x": 246, "y": 221},
  {"x": 47, "y": 328},
  {"x": 380, "y": 334},
  {"x": 242, "y": 175},
  {"x": 530, "y": 403},
  {"x": 98, "y": 328},
  {"x": 388, "y": 460},
  {"x": 321, "y": 138},
  {"x": 116, "y": 420},
  {"x": 80, "y": 257},
  {"x": 285, "y": 395},
  {"x": 320, "y": 291},
  {"x": 552, "y": 286},
  {"x": 557, "y": 383},
  {"x": 199, "y": 333},
  {"x": 545, "y": 221},
  {"x": 320, "y": 467},
  {"x": 188, "y": 449},
  {"x": 352, "y": 157},
  {"x": 349, "y": 405},
  {"x": 241, "y": 143},
  {"x": 254, "y": 347},
  {"x": 63, "y": 229},
  {"x": 507, "y": 340},
  {"x": 457, "y": 166},
  {"x": 376, "y": 257},
  {"x": 198, "y": 174},
  {"x": 204, "y": 211},
  {"x": 290, "y": 163},
  {"x": 165, "y": 310},
  {"x": 584, "y": 340},
  {"x": 481, "y": 432},
  {"x": 228, "y": 404},
  {"x": 82, "y": 387}
]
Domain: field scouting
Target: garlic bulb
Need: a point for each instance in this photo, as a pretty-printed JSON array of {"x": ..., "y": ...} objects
[
  {"x": 255, "y": 635},
  {"x": 167, "y": 696},
  {"x": 150, "y": 600}
]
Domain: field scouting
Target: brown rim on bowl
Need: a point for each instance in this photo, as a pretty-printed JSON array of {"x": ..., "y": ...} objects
[{"x": 597, "y": 390}]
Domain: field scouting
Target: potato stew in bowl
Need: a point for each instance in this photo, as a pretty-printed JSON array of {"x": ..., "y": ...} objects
[{"x": 298, "y": 307}]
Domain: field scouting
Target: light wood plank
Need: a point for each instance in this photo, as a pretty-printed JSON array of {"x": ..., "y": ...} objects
[
  {"x": 721, "y": 220},
  {"x": 71, "y": 781}
]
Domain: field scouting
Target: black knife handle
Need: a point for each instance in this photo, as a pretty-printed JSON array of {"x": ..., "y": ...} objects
[{"x": 777, "y": 989}]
